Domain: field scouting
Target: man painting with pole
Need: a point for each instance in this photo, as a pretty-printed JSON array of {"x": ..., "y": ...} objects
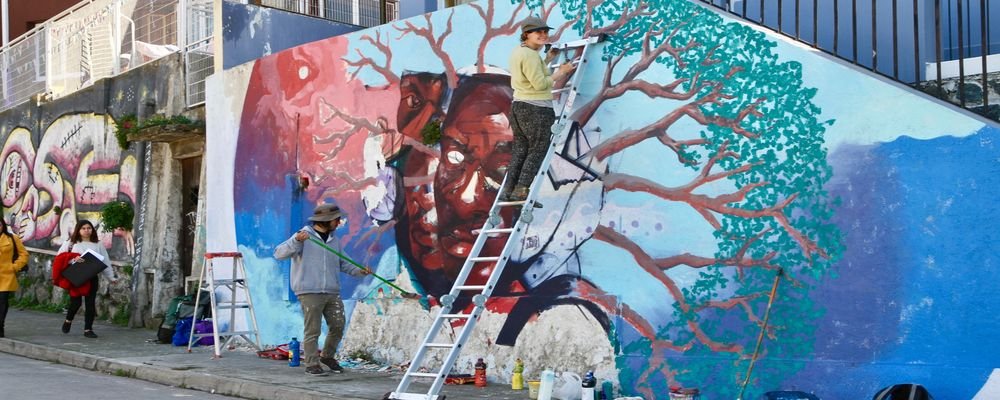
[{"x": 315, "y": 279}]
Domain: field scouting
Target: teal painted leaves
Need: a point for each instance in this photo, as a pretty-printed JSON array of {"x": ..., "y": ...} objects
[{"x": 744, "y": 131}]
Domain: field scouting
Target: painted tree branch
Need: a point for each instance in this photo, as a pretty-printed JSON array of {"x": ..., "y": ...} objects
[
  {"x": 508, "y": 28},
  {"x": 339, "y": 138},
  {"x": 717, "y": 204},
  {"x": 436, "y": 43},
  {"x": 386, "y": 70},
  {"x": 647, "y": 263},
  {"x": 547, "y": 11},
  {"x": 625, "y": 17},
  {"x": 630, "y": 82}
]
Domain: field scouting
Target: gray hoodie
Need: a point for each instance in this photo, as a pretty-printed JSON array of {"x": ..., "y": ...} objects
[{"x": 315, "y": 269}]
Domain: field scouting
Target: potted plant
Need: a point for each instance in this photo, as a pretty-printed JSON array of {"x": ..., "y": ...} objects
[
  {"x": 117, "y": 217},
  {"x": 156, "y": 128},
  {"x": 117, "y": 214}
]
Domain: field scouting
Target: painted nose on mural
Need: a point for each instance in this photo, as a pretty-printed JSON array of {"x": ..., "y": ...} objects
[{"x": 472, "y": 193}]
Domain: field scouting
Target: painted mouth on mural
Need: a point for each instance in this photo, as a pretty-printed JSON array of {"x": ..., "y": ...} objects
[{"x": 458, "y": 242}]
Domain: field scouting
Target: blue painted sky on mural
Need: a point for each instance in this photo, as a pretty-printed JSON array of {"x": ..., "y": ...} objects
[{"x": 909, "y": 290}]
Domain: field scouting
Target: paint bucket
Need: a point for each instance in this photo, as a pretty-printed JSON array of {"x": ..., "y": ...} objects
[{"x": 533, "y": 389}]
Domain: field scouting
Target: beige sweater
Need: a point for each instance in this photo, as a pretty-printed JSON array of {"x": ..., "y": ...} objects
[{"x": 529, "y": 76}]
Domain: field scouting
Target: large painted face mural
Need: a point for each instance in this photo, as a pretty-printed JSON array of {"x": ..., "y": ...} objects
[
  {"x": 75, "y": 168},
  {"x": 709, "y": 166}
]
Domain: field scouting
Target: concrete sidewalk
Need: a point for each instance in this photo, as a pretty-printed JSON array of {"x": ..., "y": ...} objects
[{"x": 238, "y": 373}]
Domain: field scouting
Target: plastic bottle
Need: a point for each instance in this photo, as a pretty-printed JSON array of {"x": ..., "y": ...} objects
[
  {"x": 517, "y": 381},
  {"x": 295, "y": 353},
  {"x": 480, "y": 373},
  {"x": 548, "y": 383},
  {"x": 587, "y": 387}
]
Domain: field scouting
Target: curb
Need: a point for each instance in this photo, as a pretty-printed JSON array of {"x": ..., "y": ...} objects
[{"x": 165, "y": 376}]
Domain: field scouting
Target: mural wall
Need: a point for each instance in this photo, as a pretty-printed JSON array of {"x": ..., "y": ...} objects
[{"x": 710, "y": 165}]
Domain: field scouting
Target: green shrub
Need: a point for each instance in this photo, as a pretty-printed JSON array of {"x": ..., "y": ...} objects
[{"x": 117, "y": 214}]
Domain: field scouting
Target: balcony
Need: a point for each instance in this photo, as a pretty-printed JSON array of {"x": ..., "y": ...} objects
[
  {"x": 96, "y": 39},
  {"x": 366, "y": 13}
]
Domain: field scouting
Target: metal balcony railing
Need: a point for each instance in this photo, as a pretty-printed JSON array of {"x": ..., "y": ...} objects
[
  {"x": 96, "y": 39},
  {"x": 932, "y": 44},
  {"x": 366, "y": 13}
]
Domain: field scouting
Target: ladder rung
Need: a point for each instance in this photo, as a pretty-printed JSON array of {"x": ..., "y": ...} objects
[
  {"x": 440, "y": 345},
  {"x": 484, "y": 259},
  {"x": 510, "y": 203},
  {"x": 470, "y": 287},
  {"x": 488, "y": 231},
  {"x": 560, "y": 90},
  {"x": 423, "y": 374},
  {"x": 232, "y": 306},
  {"x": 219, "y": 282},
  {"x": 456, "y": 316},
  {"x": 224, "y": 334},
  {"x": 411, "y": 396}
]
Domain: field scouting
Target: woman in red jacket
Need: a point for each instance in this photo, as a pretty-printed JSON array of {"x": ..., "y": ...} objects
[
  {"x": 13, "y": 258},
  {"x": 85, "y": 238}
]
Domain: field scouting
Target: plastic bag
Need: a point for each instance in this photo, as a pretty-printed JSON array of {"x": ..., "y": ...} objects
[
  {"x": 204, "y": 326},
  {"x": 570, "y": 390}
]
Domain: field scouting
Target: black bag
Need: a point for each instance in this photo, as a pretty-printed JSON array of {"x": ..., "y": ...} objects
[
  {"x": 13, "y": 257},
  {"x": 904, "y": 391},
  {"x": 164, "y": 335},
  {"x": 81, "y": 272}
]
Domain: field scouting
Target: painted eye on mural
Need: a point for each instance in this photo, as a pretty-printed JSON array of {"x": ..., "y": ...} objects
[
  {"x": 455, "y": 157},
  {"x": 413, "y": 101}
]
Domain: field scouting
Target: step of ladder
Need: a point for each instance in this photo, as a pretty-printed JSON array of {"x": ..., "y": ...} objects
[
  {"x": 562, "y": 107},
  {"x": 239, "y": 299}
]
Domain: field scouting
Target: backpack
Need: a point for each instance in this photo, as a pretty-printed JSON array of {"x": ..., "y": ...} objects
[
  {"x": 903, "y": 391},
  {"x": 182, "y": 307}
]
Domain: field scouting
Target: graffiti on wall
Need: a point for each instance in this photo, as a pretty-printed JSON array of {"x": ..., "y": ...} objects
[
  {"x": 699, "y": 172},
  {"x": 75, "y": 168}
]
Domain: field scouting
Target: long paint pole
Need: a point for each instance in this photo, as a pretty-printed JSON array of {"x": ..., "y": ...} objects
[
  {"x": 355, "y": 263},
  {"x": 763, "y": 328}
]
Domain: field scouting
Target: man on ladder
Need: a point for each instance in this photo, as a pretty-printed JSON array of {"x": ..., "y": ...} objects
[{"x": 315, "y": 279}]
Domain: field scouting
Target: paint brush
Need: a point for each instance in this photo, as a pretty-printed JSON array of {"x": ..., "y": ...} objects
[{"x": 403, "y": 293}]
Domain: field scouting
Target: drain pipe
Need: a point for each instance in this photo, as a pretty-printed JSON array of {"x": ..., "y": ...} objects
[{"x": 5, "y": 11}]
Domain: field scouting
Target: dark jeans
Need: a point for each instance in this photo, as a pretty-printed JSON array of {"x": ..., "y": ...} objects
[
  {"x": 4, "y": 305},
  {"x": 90, "y": 312},
  {"x": 532, "y": 126}
]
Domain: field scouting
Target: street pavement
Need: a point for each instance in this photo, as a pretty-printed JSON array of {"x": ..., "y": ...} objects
[
  {"x": 240, "y": 373},
  {"x": 24, "y": 378}
]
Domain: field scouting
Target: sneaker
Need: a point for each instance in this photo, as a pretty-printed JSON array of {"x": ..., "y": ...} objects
[
  {"x": 66, "y": 326},
  {"x": 315, "y": 370},
  {"x": 90, "y": 334},
  {"x": 333, "y": 364},
  {"x": 520, "y": 193}
]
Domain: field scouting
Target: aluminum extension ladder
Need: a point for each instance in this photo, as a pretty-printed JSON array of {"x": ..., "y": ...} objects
[
  {"x": 239, "y": 299},
  {"x": 575, "y": 52}
]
